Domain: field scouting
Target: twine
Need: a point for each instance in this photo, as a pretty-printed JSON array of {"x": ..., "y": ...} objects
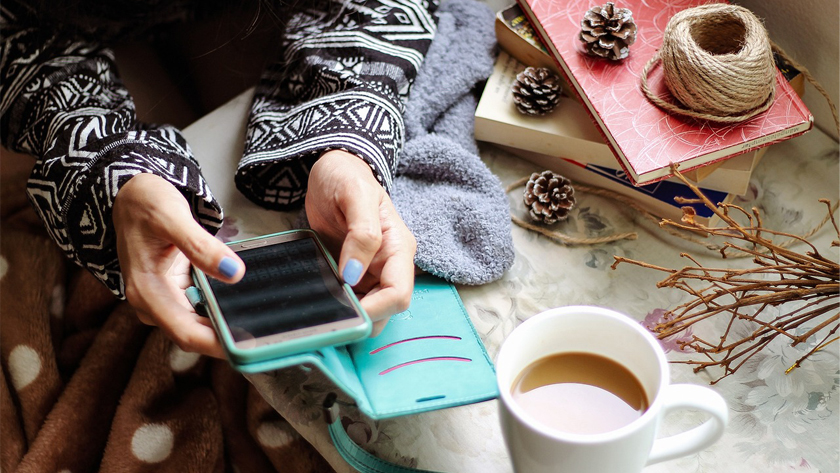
[
  {"x": 716, "y": 52},
  {"x": 718, "y": 62}
]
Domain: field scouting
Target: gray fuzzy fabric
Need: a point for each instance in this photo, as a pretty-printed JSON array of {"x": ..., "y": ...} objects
[
  {"x": 450, "y": 200},
  {"x": 455, "y": 207}
]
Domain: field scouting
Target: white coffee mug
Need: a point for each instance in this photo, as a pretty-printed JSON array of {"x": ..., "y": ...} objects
[{"x": 537, "y": 448}]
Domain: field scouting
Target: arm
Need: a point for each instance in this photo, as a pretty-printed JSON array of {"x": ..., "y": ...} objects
[
  {"x": 121, "y": 200},
  {"x": 326, "y": 126},
  {"x": 63, "y": 103},
  {"x": 340, "y": 83}
]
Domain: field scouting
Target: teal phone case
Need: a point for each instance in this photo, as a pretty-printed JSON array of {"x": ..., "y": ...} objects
[
  {"x": 242, "y": 357},
  {"x": 428, "y": 357}
]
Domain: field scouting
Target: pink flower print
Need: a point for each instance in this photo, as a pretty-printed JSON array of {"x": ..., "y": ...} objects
[
  {"x": 360, "y": 432},
  {"x": 229, "y": 231},
  {"x": 656, "y": 317}
]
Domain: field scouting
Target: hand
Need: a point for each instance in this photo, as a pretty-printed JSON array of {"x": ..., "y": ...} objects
[
  {"x": 157, "y": 238},
  {"x": 354, "y": 215}
]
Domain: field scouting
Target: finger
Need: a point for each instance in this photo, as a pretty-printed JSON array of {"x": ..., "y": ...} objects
[
  {"x": 203, "y": 250},
  {"x": 396, "y": 283},
  {"x": 378, "y": 326},
  {"x": 367, "y": 284},
  {"x": 168, "y": 308},
  {"x": 192, "y": 335},
  {"x": 144, "y": 317},
  {"x": 204, "y": 321},
  {"x": 187, "y": 331},
  {"x": 380, "y": 304},
  {"x": 364, "y": 236}
]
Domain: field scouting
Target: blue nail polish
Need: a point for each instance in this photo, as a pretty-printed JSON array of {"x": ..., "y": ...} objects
[
  {"x": 352, "y": 272},
  {"x": 228, "y": 267}
]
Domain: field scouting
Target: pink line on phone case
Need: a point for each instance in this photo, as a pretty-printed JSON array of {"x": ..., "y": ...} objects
[
  {"x": 422, "y": 360},
  {"x": 429, "y": 337}
]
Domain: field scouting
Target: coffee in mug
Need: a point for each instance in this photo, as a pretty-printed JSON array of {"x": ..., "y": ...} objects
[
  {"x": 580, "y": 393},
  {"x": 601, "y": 349}
]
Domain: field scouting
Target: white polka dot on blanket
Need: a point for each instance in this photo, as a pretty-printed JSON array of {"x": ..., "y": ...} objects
[
  {"x": 152, "y": 443},
  {"x": 24, "y": 366},
  {"x": 275, "y": 434},
  {"x": 180, "y": 360},
  {"x": 4, "y": 266}
]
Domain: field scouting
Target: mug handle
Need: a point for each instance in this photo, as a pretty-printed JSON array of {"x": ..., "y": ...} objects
[{"x": 690, "y": 396}]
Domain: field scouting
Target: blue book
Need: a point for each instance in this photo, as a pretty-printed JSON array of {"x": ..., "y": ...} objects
[
  {"x": 662, "y": 191},
  {"x": 657, "y": 198}
]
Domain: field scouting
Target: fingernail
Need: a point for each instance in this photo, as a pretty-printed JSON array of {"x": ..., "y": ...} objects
[
  {"x": 228, "y": 267},
  {"x": 352, "y": 272}
]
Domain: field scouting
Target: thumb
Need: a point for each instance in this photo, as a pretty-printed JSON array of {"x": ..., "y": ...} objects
[
  {"x": 202, "y": 249},
  {"x": 363, "y": 239}
]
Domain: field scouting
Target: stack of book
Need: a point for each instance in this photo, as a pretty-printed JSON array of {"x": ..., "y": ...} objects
[{"x": 570, "y": 142}]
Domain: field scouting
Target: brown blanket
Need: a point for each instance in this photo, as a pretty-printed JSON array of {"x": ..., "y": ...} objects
[{"x": 85, "y": 386}]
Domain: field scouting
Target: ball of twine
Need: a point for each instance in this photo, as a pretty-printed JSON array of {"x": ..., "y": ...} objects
[{"x": 717, "y": 62}]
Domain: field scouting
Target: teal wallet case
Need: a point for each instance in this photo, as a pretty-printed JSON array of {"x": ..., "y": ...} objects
[{"x": 428, "y": 357}]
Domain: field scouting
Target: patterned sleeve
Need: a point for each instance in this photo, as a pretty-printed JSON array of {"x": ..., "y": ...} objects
[
  {"x": 62, "y": 102},
  {"x": 340, "y": 83}
]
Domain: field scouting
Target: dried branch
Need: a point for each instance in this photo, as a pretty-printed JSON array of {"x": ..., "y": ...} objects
[{"x": 779, "y": 277}]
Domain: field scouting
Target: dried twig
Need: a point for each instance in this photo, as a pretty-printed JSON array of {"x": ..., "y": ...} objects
[{"x": 780, "y": 276}]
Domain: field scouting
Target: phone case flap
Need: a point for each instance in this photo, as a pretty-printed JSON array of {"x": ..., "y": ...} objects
[
  {"x": 334, "y": 362},
  {"x": 428, "y": 357}
]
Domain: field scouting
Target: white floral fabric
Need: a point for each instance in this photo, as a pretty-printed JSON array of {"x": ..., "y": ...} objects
[{"x": 778, "y": 422}]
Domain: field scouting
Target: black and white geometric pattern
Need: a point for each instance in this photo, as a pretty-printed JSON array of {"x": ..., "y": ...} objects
[
  {"x": 345, "y": 71},
  {"x": 342, "y": 80},
  {"x": 61, "y": 102}
]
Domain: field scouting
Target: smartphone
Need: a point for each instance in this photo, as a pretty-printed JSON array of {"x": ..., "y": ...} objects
[{"x": 291, "y": 300}]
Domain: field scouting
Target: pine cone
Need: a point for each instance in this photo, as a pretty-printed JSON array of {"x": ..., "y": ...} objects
[
  {"x": 550, "y": 197},
  {"x": 536, "y": 91},
  {"x": 608, "y": 31}
]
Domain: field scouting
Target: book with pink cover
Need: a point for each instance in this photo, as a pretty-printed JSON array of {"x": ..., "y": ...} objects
[{"x": 644, "y": 138}]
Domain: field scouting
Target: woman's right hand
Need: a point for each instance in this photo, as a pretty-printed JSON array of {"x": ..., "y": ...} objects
[{"x": 157, "y": 239}]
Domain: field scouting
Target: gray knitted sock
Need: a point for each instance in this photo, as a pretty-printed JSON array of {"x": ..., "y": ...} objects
[
  {"x": 455, "y": 207},
  {"x": 450, "y": 200}
]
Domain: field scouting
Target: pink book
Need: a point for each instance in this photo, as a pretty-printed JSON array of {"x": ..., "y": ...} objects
[{"x": 644, "y": 138}]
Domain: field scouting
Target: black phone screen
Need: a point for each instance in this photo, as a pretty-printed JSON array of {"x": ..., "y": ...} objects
[{"x": 287, "y": 286}]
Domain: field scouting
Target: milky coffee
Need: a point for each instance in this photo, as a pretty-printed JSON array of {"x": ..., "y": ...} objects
[{"x": 580, "y": 393}]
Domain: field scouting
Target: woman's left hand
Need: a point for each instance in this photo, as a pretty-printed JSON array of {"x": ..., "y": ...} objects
[{"x": 353, "y": 214}]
